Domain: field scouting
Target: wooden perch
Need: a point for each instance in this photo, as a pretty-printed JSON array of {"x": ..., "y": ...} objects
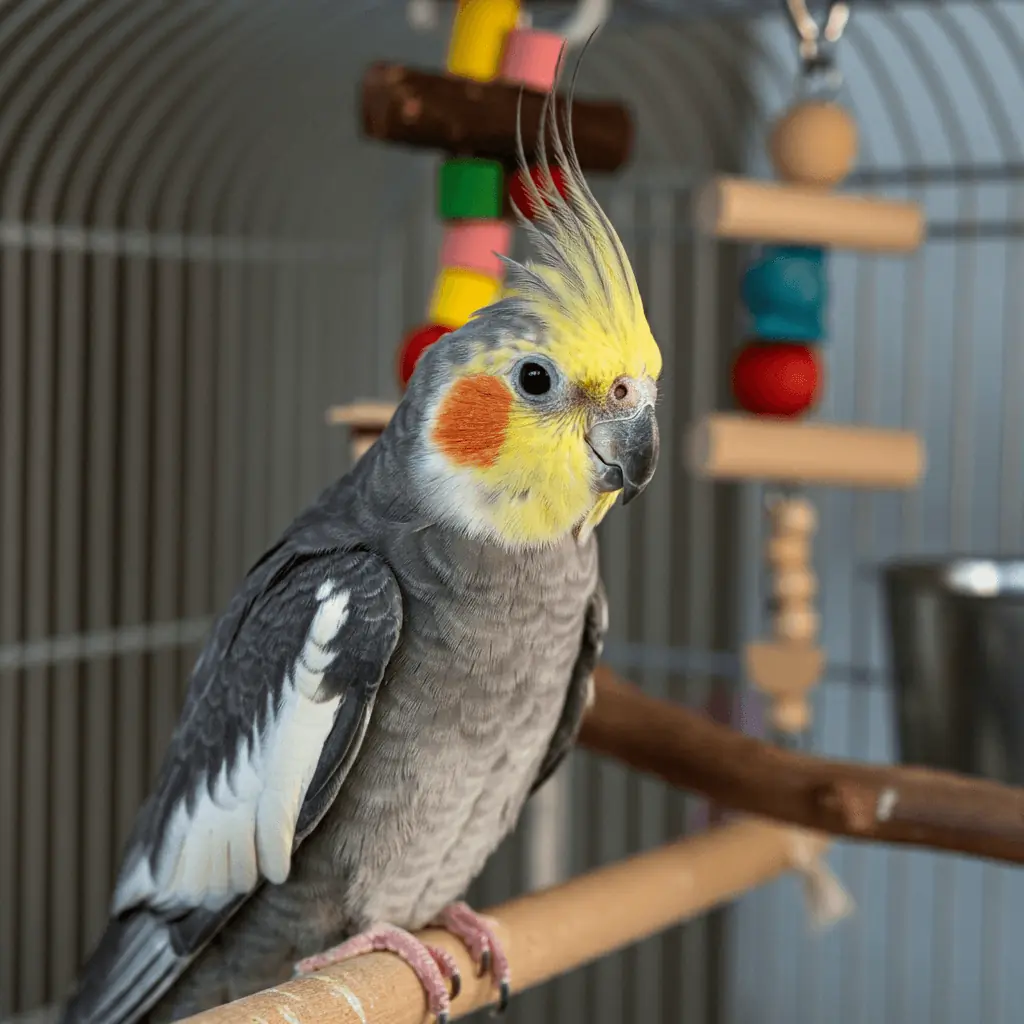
[
  {"x": 731, "y": 446},
  {"x": 915, "y": 806},
  {"x": 458, "y": 115},
  {"x": 365, "y": 421},
  {"x": 546, "y": 933},
  {"x": 366, "y": 415},
  {"x": 765, "y": 211}
]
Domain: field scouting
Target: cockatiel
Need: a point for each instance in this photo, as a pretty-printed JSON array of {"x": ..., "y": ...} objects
[{"x": 408, "y": 663}]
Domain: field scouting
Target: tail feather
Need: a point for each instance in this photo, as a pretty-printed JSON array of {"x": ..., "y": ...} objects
[{"x": 133, "y": 966}]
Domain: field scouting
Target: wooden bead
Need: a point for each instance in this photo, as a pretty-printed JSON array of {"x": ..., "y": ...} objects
[
  {"x": 814, "y": 144},
  {"x": 789, "y": 551},
  {"x": 531, "y": 58},
  {"x": 793, "y": 585},
  {"x": 478, "y": 37},
  {"x": 521, "y": 198},
  {"x": 775, "y": 378},
  {"x": 783, "y": 669},
  {"x": 414, "y": 345},
  {"x": 796, "y": 624},
  {"x": 793, "y": 515},
  {"x": 791, "y": 715},
  {"x": 475, "y": 245},
  {"x": 459, "y": 293},
  {"x": 469, "y": 188},
  {"x": 785, "y": 290}
]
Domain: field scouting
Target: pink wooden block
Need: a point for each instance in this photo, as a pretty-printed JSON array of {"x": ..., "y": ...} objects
[
  {"x": 472, "y": 244},
  {"x": 531, "y": 58}
]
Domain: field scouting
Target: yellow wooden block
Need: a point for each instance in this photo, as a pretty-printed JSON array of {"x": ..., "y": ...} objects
[
  {"x": 478, "y": 37},
  {"x": 459, "y": 293}
]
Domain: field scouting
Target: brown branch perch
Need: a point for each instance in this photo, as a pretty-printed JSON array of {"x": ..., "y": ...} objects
[
  {"x": 436, "y": 111},
  {"x": 546, "y": 933},
  {"x": 888, "y": 804}
]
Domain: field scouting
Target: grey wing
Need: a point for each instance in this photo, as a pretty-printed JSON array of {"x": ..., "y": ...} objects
[
  {"x": 581, "y": 683},
  {"x": 276, "y": 711}
]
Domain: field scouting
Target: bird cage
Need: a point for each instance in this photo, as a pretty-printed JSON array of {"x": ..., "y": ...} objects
[{"x": 200, "y": 254}]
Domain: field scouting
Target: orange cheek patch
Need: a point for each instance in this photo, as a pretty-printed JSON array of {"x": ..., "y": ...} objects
[{"x": 472, "y": 421}]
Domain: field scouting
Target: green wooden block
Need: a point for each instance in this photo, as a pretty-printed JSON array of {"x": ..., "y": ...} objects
[{"x": 469, "y": 188}]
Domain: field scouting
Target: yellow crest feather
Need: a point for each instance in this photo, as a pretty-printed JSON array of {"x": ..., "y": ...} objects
[{"x": 581, "y": 282}]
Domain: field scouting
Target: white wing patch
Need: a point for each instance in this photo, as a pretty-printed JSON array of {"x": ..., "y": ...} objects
[{"x": 246, "y": 828}]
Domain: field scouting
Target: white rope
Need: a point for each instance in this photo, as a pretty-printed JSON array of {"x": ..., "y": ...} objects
[{"x": 827, "y": 901}]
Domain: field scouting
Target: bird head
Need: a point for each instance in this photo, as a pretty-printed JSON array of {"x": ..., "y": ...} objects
[{"x": 540, "y": 410}]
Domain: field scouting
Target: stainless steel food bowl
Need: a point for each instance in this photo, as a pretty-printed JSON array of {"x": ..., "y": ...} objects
[{"x": 956, "y": 640}]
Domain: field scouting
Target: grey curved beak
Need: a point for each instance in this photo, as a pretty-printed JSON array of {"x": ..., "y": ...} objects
[{"x": 626, "y": 453}]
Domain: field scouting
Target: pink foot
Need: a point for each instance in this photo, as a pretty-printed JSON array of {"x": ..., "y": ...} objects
[
  {"x": 479, "y": 937},
  {"x": 432, "y": 966}
]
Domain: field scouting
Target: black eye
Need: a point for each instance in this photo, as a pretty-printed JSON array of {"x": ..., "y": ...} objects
[{"x": 534, "y": 379}]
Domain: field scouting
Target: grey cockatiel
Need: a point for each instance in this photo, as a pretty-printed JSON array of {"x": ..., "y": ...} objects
[{"x": 406, "y": 665}]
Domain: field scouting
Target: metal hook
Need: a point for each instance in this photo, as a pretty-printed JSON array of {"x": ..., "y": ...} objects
[
  {"x": 588, "y": 17},
  {"x": 811, "y": 36},
  {"x": 422, "y": 15}
]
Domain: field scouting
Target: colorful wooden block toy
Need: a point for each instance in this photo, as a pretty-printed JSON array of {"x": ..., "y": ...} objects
[
  {"x": 470, "y": 189},
  {"x": 459, "y": 293},
  {"x": 475, "y": 245}
]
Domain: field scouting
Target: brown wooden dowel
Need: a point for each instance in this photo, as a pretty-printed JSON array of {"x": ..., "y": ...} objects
[
  {"x": 891, "y": 804},
  {"x": 457, "y": 115}
]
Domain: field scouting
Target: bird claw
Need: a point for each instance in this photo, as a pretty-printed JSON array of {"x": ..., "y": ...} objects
[
  {"x": 504, "y": 994},
  {"x": 435, "y": 969},
  {"x": 456, "y": 984},
  {"x": 481, "y": 940}
]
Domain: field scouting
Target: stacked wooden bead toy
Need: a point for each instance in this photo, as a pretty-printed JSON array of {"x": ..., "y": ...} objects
[
  {"x": 472, "y": 191},
  {"x": 497, "y": 70},
  {"x": 777, "y": 372},
  {"x": 794, "y": 585},
  {"x": 813, "y": 147},
  {"x": 788, "y": 666}
]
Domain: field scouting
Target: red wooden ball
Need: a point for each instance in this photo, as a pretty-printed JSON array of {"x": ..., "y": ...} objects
[
  {"x": 775, "y": 378},
  {"x": 414, "y": 346},
  {"x": 517, "y": 188}
]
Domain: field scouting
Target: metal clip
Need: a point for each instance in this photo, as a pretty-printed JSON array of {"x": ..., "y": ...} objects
[{"x": 815, "y": 42}]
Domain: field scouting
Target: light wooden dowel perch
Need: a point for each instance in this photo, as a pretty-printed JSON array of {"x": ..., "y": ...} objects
[
  {"x": 546, "y": 933},
  {"x": 735, "y": 446},
  {"x": 766, "y": 211},
  {"x": 365, "y": 421}
]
